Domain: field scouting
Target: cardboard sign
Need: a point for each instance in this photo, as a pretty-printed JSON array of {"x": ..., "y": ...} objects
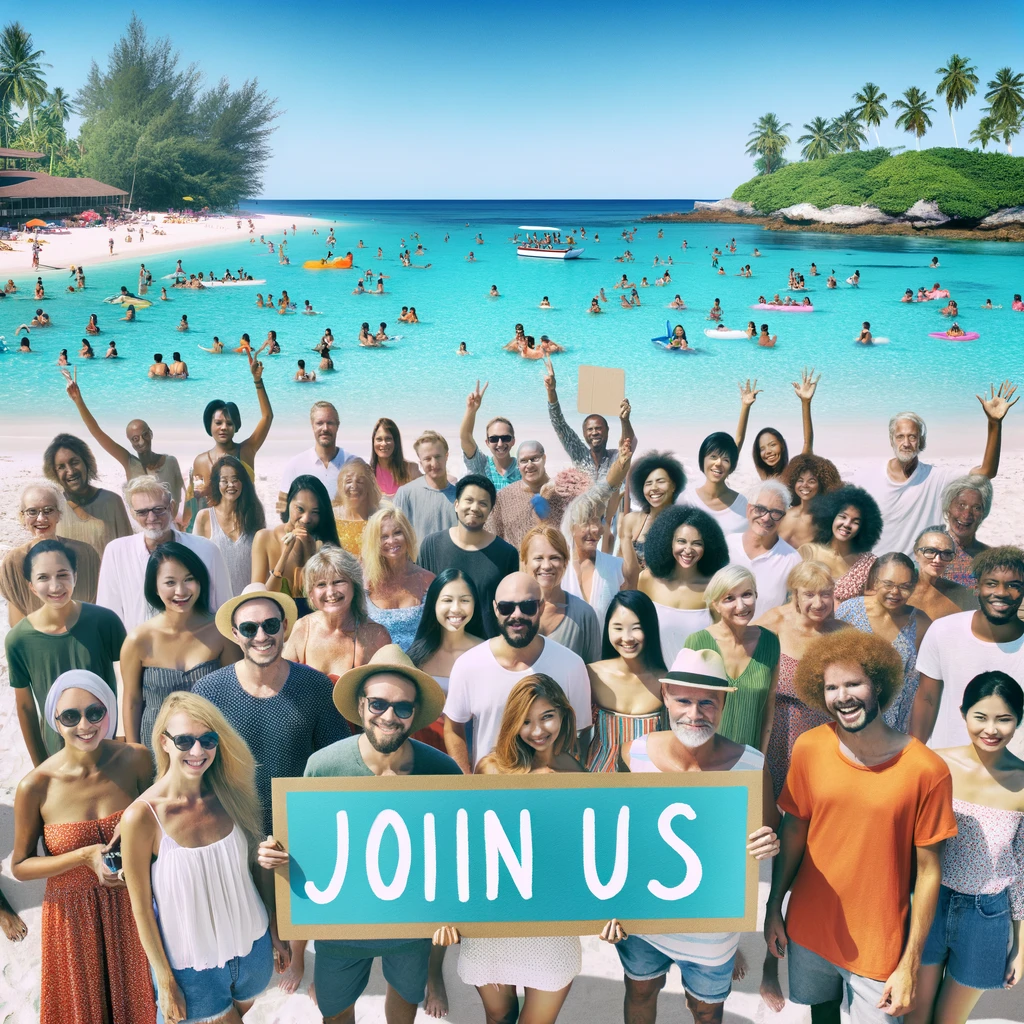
[
  {"x": 503, "y": 855},
  {"x": 600, "y": 389}
]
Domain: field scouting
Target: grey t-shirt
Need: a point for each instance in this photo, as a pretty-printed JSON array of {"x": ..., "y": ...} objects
[
  {"x": 579, "y": 630},
  {"x": 428, "y": 509}
]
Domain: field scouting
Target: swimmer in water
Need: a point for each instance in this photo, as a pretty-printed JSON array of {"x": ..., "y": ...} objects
[
  {"x": 183, "y": 323},
  {"x": 934, "y": 263},
  {"x": 643, "y": 283},
  {"x": 129, "y": 314},
  {"x": 86, "y": 352},
  {"x": 218, "y": 346},
  {"x": 412, "y": 318},
  {"x": 1018, "y": 303},
  {"x": 806, "y": 302},
  {"x": 955, "y": 331},
  {"x": 326, "y": 362},
  {"x": 159, "y": 367},
  {"x": 908, "y": 295},
  {"x": 625, "y": 303},
  {"x": 462, "y": 350},
  {"x": 518, "y": 342},
  {"x": 302, "y": 376},
  {"x": 494, "y": 293},
  {"x": 864, "y": 338},
  {"x": 716, "y": 312},
  {"x": 634, "y": 299},
  {"x": 178, "y": 368},
  {"x": 41, "y": 319},
  {"x": 271, "y": 345},
  {"x": 987, "y": 304},
  {"x": 365, "y": 337},
  {"x": 245, "y": 345},
  {"x": 308, "y": 308},
  {"x": 92, "y": 327},
  {"x": 471, "y": 258},
  {"x": 677, "y": 303},
  {"x": 623, "y": 283},
  {"x": 382, "y": 333},
  {"x": 678, "y": 339},
  {"x": 601, "y": 295},
  {"x": 764, "y": 339},
  {"x": 751, "y": 330},
  {"x": 62, "y": 359},
  {"x": 359, "y": 289},
  {"x": 595, "y": 305},
  {"x": 548, "y": 347},
  {"x": 950, "y": 309},
  {"x": 26, "y": 346},
  {"x": 380, "y": 253},
  {"x": 545, "y": 303},
  {"x": 830, "y": 281},
  {"x": 111, "y": 352},
  {"x": 854, "y": 279},
  {"x": 814, "y": 270},
  {"x": 530, "y": 349}
]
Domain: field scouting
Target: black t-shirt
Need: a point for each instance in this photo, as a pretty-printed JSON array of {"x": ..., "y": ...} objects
[{"x": 486, "y": 567}]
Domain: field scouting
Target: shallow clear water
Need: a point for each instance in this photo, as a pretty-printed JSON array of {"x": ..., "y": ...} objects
[{"x": 420, "y": 375}]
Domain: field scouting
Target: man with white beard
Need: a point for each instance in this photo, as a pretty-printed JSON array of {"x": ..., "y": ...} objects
[
  {"x": 694, "y": 691},
  {"x": 908, "y": 491}
]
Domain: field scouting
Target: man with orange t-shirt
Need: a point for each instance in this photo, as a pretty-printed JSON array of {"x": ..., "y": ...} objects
[{"x": 867, "y": 809}]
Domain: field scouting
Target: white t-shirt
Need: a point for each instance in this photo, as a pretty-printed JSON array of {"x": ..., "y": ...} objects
[
  {"x": 732, "y": 519},
  {"x": 952, "y": 653},
  {"x": 909, "y": 507},
  {"x": 479, "y": 687},
  {"x": 308, "y": 463},
  {"x": 770, "y": 570}
]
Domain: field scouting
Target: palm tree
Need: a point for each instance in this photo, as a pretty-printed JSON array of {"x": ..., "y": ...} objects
[
  {"x": 1006, "y": 104},
  {"x": 60, "y": 103},
  {"x": 871, "y": 111},
  {"x": 958, "y": 83},
  {"x": 820, "y": 140},
  {"x": 848, "y": 131},
  {"x": 985, "y": 132},
  {"x": 21, "y": 73},
  {"x": 916, "y": 107},
  {"x": 768, "y": 140}
]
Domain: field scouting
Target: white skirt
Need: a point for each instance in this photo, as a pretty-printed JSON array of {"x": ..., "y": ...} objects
[{"x": 548, "y": 963}]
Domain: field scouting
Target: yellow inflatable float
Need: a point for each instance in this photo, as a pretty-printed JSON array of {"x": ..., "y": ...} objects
[{"x": 341, "y": 263}]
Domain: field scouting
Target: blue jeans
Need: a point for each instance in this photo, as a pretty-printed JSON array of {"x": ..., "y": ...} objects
[
  {"x": 971, "y": 935},
  {"x": 642, "y": 962},
  {"x": 813, "y": 980}
]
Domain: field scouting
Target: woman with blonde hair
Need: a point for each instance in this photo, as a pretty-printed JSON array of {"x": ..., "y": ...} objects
[
  {"x": 395, "y": 584},
  {"x": 537, "y": 735},
  {"x": 338, "y": 635},
  {"x": 750, "y": 653},
  {"x": 592, "y": 574},
  {"x": 189, "y": 842},
  {"x": 356, "y": 498}
]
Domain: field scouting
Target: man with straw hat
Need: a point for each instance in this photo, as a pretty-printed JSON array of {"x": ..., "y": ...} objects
[
  {"x": 391, "y": 699},
  {"x": 694, "y": 691}
]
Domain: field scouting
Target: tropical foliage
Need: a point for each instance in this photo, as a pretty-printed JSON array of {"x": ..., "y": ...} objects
[
  {"x": 768, "y": 141},
  {"x": 965, "y": 185},
  {"x": 958, "y": 83},
  {"x": 870, "y": 107},
  {"x": 820, "y": 140},
  {"x": 916, "y": 108},
  {"x": 1006, "y": 105}
]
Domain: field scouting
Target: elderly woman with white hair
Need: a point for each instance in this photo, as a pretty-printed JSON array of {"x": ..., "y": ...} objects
[
  {"x": 592, "y": 574},
  {"x": 966, "y": 504},
  {"x": 751, "y": 655},
  {"x": 41, "y": 507}
]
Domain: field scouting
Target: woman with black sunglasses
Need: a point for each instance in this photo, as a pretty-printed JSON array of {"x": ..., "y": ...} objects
[
  {"x": 200, "y": 900},
  {"x": 934, "y": 594},
  {"x": 93, "y": 964}
]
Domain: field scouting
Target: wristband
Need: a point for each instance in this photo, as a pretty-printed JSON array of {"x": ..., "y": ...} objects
[{"x": 277, "y": 575}]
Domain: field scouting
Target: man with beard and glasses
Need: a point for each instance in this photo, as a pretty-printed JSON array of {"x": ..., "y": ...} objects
[
  {"x": 391, "y": 699},
  {"x": 694, "y": 690},
  {"x": 123, "y": 568},
  {"x": 867, "y": 810},
  {"x": 484, "y": 558},
  {"x": 324, "y": 460},
  {"x": 908, "y": 491},
  {"x": 95, "y": 516},
  {"x": 482, "y": 678},
  {"x": 956, "y": 648}
]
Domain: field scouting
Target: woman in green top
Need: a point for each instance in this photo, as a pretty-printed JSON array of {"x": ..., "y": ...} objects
[
  {"x": 63, "y": 634},
  {"x": 750, "y": 653}
]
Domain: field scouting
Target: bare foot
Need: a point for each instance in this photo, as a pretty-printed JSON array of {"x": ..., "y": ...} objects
[
  {"x": 292, "y": 977},
  {"x": 436, "y": 1002},
  {"x": 739, "y": 969},
  {"x": 13, "y": 927},
  {"x": 771, "y": 993}
]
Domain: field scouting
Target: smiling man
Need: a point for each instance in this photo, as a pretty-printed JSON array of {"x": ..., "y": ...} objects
[
  {"x": 324, "y": 460},
  {"x": 499, "y": 467},
  {"x": 428, "y": 501},
  {"x": 956, "y": 648}
]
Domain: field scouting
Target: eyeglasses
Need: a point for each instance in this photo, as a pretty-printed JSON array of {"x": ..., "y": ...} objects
[
  {"x": 249, "y": 629},
  {"x": 404, "y": 709},
  {"x": 34, "y": 513},
  {"x": 530, "y": 460},
  {"x": 145, "y": 513},
  {"x": 774, "y": 513},
  {"x": 186, "y": 742},
  {"x": 72, "y": 716},
  {"x": 528, "y": 608},
  {"x": 946, "y": 554},
  {"x": 500, "y": 439},
  {"x": 890, "y": 585}
]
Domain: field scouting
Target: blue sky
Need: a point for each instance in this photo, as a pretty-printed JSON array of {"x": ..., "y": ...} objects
[{"x": 532, "y": 100}]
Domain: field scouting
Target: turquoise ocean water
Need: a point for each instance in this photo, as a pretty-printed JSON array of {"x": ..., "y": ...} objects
[{"x": 420, "y": 374}]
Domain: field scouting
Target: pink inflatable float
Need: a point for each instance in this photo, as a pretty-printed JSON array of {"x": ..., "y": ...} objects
[
  {"x": 966, "y": 336},
  {"x": 783, "y": 309}
]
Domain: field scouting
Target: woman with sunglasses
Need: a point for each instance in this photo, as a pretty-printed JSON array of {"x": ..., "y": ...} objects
[
  {"x": 538, "y": 729},
  {"x": 175, "y": 648},
  {"x": 63, "y": 634},
  {"x": 885, "y": 611},
  {"x": 93, "y": 965},
  {"x": 935, "y": 595},
  {"x": 189, "y": 842}
]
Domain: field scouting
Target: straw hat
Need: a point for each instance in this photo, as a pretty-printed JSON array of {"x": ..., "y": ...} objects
[
  {"x": 391, "y": 659},
  {"x": 253, "y": 592},
  {"x": 703, "y": 669}
]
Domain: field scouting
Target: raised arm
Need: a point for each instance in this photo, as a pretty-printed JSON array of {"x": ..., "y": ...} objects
[
  {"x": 473, "y": 402},
  {"x": 627, "y": 433},
  {"x": 996, "y": 406},
  {"x": 805, "y": 389},
  {"x": 103, "y": 439},
  {"x": 748, "y": 395},
  {"x": 259, "y": 435},
  {"x": 567, "y": 437}
]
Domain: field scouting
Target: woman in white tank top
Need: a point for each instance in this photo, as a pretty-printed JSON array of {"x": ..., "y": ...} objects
[{"x": 188, "y": 845}]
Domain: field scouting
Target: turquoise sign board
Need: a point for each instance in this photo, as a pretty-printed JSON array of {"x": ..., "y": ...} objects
[{"x": 399, "y": 856}]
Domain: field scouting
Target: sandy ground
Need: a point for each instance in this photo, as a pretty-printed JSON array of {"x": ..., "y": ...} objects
[{"x": 597, "y": 993}]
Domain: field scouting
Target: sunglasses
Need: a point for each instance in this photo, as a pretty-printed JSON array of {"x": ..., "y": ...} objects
[
  {"x": 249, "y": 629},
  {"x": 499, "y": 439},
  {"x": 185, "y": 742},
  {"x": 404, "y": 709},
  {"x": 145, "y": 513},
  {"x": 775, "y": 514},
  {"x": 945, "y": 554},
  {"x": 526, "y": 607},
  {"x": 72, "y": 716}
]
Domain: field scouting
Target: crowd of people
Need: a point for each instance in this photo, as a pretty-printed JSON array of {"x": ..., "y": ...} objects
[{"x": 173, "y": 651}]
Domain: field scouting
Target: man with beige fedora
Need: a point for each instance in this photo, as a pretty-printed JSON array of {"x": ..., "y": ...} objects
[
  {"x": 694, "y": 690},
  {"x": 391, "y": 699}
]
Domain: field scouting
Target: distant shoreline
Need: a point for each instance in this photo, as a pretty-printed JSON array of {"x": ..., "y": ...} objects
[{"x": 1004, "y": 233}]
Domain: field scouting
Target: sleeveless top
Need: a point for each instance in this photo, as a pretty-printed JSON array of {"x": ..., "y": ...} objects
[
  {"x": 207, "y": 903},
  {"x": 676, "y": 625},
  {"x": 158, "y": 683},
  {"x": 385, "y": 481},
  {"x": 401, "y": 623},
  {"x": 237, "y": 554}
]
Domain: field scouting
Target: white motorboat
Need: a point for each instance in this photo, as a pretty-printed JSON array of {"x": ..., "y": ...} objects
[{"x": 548, "y": 246}]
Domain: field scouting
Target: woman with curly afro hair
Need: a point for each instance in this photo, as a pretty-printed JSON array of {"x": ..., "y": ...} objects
[
  {"x": 847, "y": 524},
  {"x": 684, "y": 549},
  {"x": 656, "y": 480},
  {"x": 806, "y": 476}
]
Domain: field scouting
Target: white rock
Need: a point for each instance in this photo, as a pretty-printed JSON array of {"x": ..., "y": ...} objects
[
  {"x": 727, "y": 205},
  {"x": 1009, "y": 215},
  {"x": 850, "y": 215},
  {"x": 925, "y": 212}
]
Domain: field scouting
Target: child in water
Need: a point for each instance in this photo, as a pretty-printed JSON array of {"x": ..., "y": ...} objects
[
  {"x": 864, "y": 338},
  {"x": 764, "y": 339}
]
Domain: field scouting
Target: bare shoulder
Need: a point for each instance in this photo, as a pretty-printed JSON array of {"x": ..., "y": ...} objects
[
  {"x": 772, "y": 619},
  {"x": 486, "y": 766}
]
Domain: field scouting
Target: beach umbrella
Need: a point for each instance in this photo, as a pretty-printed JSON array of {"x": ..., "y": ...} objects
[
  {"x": 36, "y": 223},
  {"x": 90, "y": 215}
]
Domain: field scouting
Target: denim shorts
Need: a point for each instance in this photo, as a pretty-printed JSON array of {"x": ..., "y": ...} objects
[
  {"x": 971, "y": 936},
  {"x": 340, "y": 980},
  {"x": 642, "y": 962},
  {"x": 813, "y": 980},
  {"x": 210, "y": 993}
]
